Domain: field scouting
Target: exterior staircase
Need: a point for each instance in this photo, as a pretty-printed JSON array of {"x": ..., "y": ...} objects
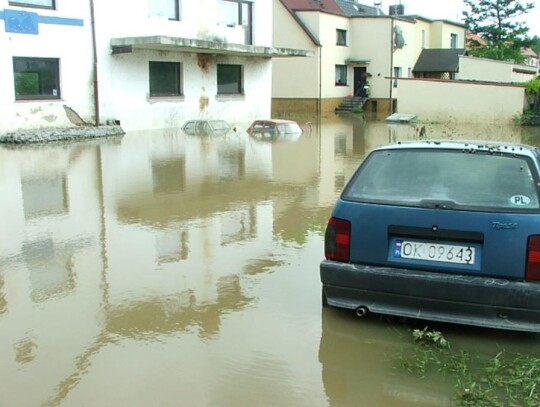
[{"x": 351, "y": 103}]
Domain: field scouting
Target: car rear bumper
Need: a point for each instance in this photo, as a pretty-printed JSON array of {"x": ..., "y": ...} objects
[{"x": 470, "y": 300}]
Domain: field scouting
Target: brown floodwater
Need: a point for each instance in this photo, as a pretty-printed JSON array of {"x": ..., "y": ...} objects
[{"x": 163, "y": 269}]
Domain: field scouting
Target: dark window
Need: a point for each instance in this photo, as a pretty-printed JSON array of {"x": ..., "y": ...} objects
[
  {"x": 397, "y": 74},
  {"x": 481, "y": 181},
  {"x": 229, "y": 78},
  {"x": 165, "y": 8},
  {"x": 453, "y": 40},
  {"x": 341, "y": 37},
  {"x": 341, "y": 75},
  {"x": 165, "y": 79},
  {"x": 34, "y": 3},
  {"x": 36, "y": 78}
]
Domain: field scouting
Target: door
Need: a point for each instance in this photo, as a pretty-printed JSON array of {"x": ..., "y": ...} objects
[{"x": 360, "y": 81}]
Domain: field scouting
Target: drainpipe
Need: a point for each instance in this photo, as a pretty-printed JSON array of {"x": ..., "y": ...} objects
[
  {"x": 95, "y": 64},
  {"x": 319, "y": 103},
  {"x": 390, "y": 104}
]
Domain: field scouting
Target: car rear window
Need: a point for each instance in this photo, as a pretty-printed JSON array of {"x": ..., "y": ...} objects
[{"x": 446, "y": 179}]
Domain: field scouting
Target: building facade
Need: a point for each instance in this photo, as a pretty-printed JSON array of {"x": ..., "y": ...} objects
[
  {"x": 360, "y": 50},
  {"x": 66, "y": 63}
]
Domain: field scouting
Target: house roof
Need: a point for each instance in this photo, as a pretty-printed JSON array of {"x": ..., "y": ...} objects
[
  {"x": 439, "y": 60},
  {"x": 475, "y": 38},
  {"x": 528, "y": 52},
  {"x": 325, "y": 6},
  {"x": 353, "y": 9},
  {"x": 431, "y": 20},
  {"x": 301, "y": 24}
]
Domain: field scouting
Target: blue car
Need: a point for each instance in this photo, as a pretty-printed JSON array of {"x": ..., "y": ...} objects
[{"x": 441, "y": 231}]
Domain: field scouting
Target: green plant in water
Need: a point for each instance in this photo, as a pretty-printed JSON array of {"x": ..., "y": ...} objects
[
  {"x": 428, "y": 336},
  {"x": 506, "y": 379}
]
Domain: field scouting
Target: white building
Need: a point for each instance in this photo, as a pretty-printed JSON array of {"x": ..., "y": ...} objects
[{"x": 143, "y": 64}]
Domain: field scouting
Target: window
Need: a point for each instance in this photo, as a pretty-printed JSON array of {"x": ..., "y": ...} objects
[
  {"x": 341, "y": 75},
  {"x": 237, "y": 13},
  {"x": 397, "y": 74},
  {"x": 165, "y": 8},
  {"x": 453, "y": 40},
  {"x": 341, "y": 37},
  {"x": 165, "y": 79},
  {"x": 34, "y": 3},
  {"x": 229, "y": 79},
  {"x": 36, "y": 78},
  {"x": 481, "y": 180},
  {"x": 423, "y": 38}
]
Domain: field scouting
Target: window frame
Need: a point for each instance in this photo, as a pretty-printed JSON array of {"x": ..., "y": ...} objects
[
  {"x": 178, "y": 86},
  {"x": 243, "y": 17},
  {"x": 177, "y": 11},
  {"x": 39, "y": 96},
  {"x": 341, "y": 37},
  {"x": 344, "y": 70},
  {"x": 453, "y": 40},
  {"x": 239, "y": 89},
  {"x": 397, "y": 74},
  {"x": 23, "y": 3}
]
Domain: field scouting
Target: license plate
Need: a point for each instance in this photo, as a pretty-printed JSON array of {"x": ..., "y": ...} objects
[{"x": 430, "y": 251}]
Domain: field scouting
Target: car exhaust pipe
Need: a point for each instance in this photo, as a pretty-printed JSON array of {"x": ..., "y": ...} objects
[{"x": 361, "y": 311}]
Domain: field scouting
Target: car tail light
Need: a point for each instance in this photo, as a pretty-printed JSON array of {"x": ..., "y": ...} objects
[
  {"x": 337, "y": 240},
  {"x": 533, "y": 259}
]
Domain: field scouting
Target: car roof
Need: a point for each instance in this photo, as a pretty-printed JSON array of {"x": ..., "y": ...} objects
[
  {"x": 465, "y": 145},
  {"x": 276, "y": 121}
]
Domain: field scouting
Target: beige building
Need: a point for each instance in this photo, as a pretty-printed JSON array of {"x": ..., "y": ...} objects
[
  {"x": 359, "y": 51},
  {"x": 382, "y": 61}
]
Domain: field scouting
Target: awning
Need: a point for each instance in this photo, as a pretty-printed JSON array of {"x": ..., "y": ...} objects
[
  {"x": 357, "y": 61},
  {"x": 178, "y": 44},
  {"x": 439, "y": 60}
]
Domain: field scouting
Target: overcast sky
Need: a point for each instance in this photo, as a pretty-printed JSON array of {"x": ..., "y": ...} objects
[{"x": 452, "y": 10}]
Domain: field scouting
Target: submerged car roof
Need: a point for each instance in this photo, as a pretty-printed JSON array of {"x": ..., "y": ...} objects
[{"x": 465, "y": 146}]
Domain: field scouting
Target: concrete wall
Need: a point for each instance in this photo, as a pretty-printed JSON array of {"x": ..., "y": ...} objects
[
  {"x": 441, "y": 33},
  {"x": 521, "y": 73},
  {"x": 369, "y": 36},
  {"x": 324, "y": 27},
  {"x": 71, "y": 44},
  {"x": 489, "y": 70},
  {"x": 125, "y": 76},
  {"x": 460, "y": 101},
  {"x": 293, "y": 77},
  {"x": 131, "y": 104},
  {"x": 471, "y": 68}
]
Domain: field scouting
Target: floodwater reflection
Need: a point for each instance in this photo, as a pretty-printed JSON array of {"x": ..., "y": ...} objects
[{"x": 164, "y": 267}]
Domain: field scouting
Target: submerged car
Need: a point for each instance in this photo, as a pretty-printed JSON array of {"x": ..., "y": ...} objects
[
  {"x": 440, "y": 231},
  {"x": 206, "y": 127},
  {"x": 275, "y": 130}
]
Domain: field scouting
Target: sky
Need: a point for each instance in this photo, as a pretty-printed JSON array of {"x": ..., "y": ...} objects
[{"x": 452, "y": 10}]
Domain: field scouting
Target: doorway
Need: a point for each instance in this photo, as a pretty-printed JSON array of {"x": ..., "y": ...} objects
[{"x": 360, "y": 81}]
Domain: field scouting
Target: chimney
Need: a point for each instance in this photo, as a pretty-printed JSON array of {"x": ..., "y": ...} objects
[{"x": 396, "y": 9}]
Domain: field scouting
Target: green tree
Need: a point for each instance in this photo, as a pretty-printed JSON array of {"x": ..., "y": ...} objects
[
  {"x": 494, "y": 22},
  {"x": 535, "y": 44}
]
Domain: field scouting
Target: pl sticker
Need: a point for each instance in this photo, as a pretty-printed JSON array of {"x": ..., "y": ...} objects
[{"x": 520, "y": 200}]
